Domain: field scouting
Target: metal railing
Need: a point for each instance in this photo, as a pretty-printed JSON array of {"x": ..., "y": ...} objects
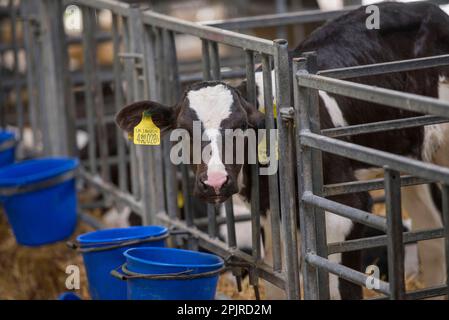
[{"x": 311, "y": 141}]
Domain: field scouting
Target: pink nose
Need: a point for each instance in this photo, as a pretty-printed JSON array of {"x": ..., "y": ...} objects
[{"x": 216, "y": 179}]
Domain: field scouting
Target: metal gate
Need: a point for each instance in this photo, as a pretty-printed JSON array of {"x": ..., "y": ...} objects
[{"x": 145, "y": 66}]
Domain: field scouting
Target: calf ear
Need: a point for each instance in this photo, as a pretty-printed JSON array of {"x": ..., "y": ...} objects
[
  {"x": 163, "y": 117},
  {"x": 256, "y": 119}
]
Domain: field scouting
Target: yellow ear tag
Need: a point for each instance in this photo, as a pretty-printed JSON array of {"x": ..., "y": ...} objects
[
  {"x": 146, "y": 132},
  {"x": 262, "y": 154},
  {"x": 275, "y": 114}
]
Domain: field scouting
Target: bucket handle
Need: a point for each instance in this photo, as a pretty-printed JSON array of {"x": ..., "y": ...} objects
[
  {"x": 126, "y": 274},
  {"x": 76, "y": 245},
  {"x": 9, "y": 191}
]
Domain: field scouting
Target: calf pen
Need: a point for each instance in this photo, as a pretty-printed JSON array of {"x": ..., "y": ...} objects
[{"x": 145, "y": 66}]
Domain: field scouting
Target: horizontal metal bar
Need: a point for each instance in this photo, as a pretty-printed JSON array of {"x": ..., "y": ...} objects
[
  {"x": 117, "y": 7},
  {"x": 421, "y": 293},
  {"x": 382, "y": 96},
  {"x": 376, "y": 157},
  {"x": 280, "y": 19},
  {"x": 208, "y": 33},
  {"x": 222, "y": 249},
  {"x": 367, "y": 185},
  {"x": 387, "y": 67},
  {"x": 345, "y": 272},
  {"x": 115, "y": 192},
  {"x": 354, "y": 214},
  {"x": 382, "y": 126},
  {"x": 381, "y": 241},
  {"x": 90, "y": 220},
  {"x": 221, "y": 220}
]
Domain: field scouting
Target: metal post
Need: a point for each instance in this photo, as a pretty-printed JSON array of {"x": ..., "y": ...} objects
[
  {"x": 214, "y": 60},
  {"x": 119, "y": 102},
  {"x": 145, "y": 174},
  {"x": 317, "y": 181},
  {"x": 286, "y": 170},
  {"x": 302, "y": 101},
  {"x": 394, "y": 234},
  {"x": 55, "y": 80},
  {"x": 445, "y": 207},
  {"x": 206, "y": 60},
  {"x": 94, "y": 95}
]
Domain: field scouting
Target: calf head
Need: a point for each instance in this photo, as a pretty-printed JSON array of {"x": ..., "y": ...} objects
[{"x": 218, "y": 108}]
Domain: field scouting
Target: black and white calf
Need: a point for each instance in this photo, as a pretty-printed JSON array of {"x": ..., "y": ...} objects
[{"x": 406, "y": 31}]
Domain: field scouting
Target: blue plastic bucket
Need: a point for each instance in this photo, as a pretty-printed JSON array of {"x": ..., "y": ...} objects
[
  {"x": 39, "y": 199},
  {"x": 186, "y": 275},
  {"x": 7, "y": 148},
  {"x": 103, "y": 251},
  {"x": 68, "y": 296}
]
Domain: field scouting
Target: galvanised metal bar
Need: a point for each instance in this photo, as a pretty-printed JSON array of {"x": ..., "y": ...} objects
[
  {"x": 287, "y": 190},
  {"x": 344, "y": 272},
  {"x": 381, "y": 241},
  {"x": 208, "y": 33},
  {"x": 119, "y": 102},
  {"x": 230, "y": 223},
  {"x": 354, "y": 214},
  {"x": 382, "y": 96},
  {"x": 55, "y": 88},
  {"x": 212, "y": 228},
  {"x": 275, "y": 20},
  {"x": 214, "y": 60},
  {"x": 107, "y": 187},
  {"x": 94, "y": 90},
  {"x": 445, "y": 213},
  {"x": 317, "y": 181},
  {"x": 206, "y": 60},
  {"x": 90, "y": 84},
  {"x": 367, "y": 185},
  {"x": 117, "y": 7},
  {"x": 255, "y": 187},
  {"x": 387, "y": 67},
  {"x": 302, "y": 105},
  {"x": 32, "y": 53},
  {"x": 376, "y": 157},
  {"x": 173, "y": 93},
  {"x": 201, "y": 222},
  {"x": 380, "y": 126},
  {"x": 145, "y": 173},
  {"x": 16, "y": 74},
  {"x": 395, "y": 245},
  {"x": 272, "y": 179}
]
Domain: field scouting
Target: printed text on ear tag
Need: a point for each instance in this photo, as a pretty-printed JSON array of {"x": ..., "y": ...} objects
[{"x": 146, "y": 132}]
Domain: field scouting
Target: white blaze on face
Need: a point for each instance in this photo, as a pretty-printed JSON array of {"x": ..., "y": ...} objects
[{"x": 212, "y": 105}]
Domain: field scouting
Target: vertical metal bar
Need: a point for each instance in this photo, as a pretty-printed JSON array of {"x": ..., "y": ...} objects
[
  {"x": 89, "y": 84},
  {"x": 215, "y": 60},
  {"x": 119, "y": 101},
  {"x": 272, "y": 179},
  {"x": 255, "y": 192},
  {"x": 212, "y": 218},
  {"x": 317, "y": 182},
  {"x": 147, "y": 181},
  {"x": 128, "y": 68},
  {"x": 445, "y": 210},
  {"x": 171, "y": 98},
  {"x": 55, "y": 79},
  {"x": 16, "y": 75},
  {"x": 394, "y": 234},
  {"x": 32, "y": 61},
  {"x": 304, "y": 165},
  {"x": 286, "y": 186},
  {"x": 94, "y": 89},
  {"x": 206, "y": 60}
]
